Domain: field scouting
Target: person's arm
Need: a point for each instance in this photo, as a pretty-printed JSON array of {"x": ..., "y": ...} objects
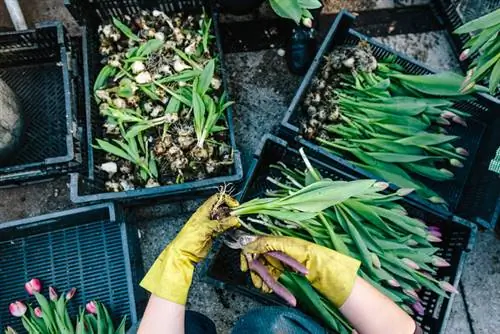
[
  {"x": 370, "y": 312},
  {"x": 334, "y": 275},
  {"x": 162, "y": 316},
  {"x": 170, "y": 277}
]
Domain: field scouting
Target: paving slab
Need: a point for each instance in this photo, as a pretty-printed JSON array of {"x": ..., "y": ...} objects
[{"x": 481, "y": 284}]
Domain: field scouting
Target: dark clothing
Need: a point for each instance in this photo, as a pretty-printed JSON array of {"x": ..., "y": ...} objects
[{"x": 262, "y": 320}]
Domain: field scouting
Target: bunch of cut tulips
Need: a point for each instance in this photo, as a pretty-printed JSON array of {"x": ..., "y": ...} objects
[
  {"x": 392, "y": 124},
  {"x": 359, "y": 219}
]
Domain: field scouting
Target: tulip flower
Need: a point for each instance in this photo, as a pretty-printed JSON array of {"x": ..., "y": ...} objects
[
  {"x": 70, "y": 293},
  {"x": 464, "y": 55},
  {"x": 439, "y": 262},
  {"x": 412, "y": 293},
  {"x": 462, "y": 151},
  {"x": 433, "y": 238},
  {"x": 410, "y": 263},
  {"x": 404, "y": 191},
  {"x": 435, "y": 233},
  {"x": 33, "y": 286},
  {"x": 448, "y": 287},
  {"x": 419, "y": 308},
  {"x": 17, "y": 309},
  {"x": 307, "y": 22},
  {"x": 91, "y": 307},
  {"x": 393, "y": 283},
  {"x": 10, "y": 330},
  {"x": 53, "y": 294},
  {"x": 38, "y": 312}
]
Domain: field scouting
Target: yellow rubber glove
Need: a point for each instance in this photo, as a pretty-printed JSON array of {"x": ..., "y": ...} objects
[
  {"x": 171, "y": 275},
  {"x": 331, "y": 273}
]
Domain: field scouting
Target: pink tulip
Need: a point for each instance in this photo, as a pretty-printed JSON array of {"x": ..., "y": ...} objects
[
  {"x": 435, "y": 233},
  {"x": 70, "y": 293},
  {"x": 381, "y": 185},
  {"x": 448, "y": 115},
  {"x": 38, "y": 312},
  {"x": 17, "y": 309},
  {"x": 53, "y": 294},
  {"x": 459, "y": 120},
  {"x": 456, "y": 163},
  {"x": 91, "y": 307},
  {"x": 434, "y": 228},
  {"x": 436, "y": 200},
  {"x": 462, "y": 151},
  {"x": 10, "y": 330},
  {"x": 464, "y": 55},
  {"x": 404, "y": 191},
  {"x": 392, "y": 282},
  {"x": 439, "y": 262},
  {"x": 410, "y": 263},
  {"x": 412, "y": 293},
  {"x": 419, "y": 308},
  {"x": 33, "y": 286},
  {"x": 307, "y": 22},
  {"x": 448, "y": 287},
  {"x": 433, "y": 238}
]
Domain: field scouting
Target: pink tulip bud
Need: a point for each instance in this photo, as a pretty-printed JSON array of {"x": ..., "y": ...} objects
[
  {"x": 434, "y": 228},
  {"x": 419, "y": 308},
  {"x": 10, "y": 330},
  {"x": 446, "y": 172},
  {"x": 17, "y": 309},
  {"x": 448, "y": 115},
  {"x": 410, "y": 263},
  {"x": 439, "y": 261},
  {"x": 33, "y": 286},
  {"x": 38, "y": 312},
  {"x": 411, "y": 242},
  {"x": 91, "y": 307},
  {"x": 448, "y": 287},
  {"x": 462, "y": 151},
  {"x": 404, "y": 191},
  {"x": 436, "y": 200},
  {"x": 435, "y": 233},
  {"x": 307, "y": 22},
  {"x": 456, "y": 163},
  {"x": 442, "y": 121},
  {"x": 376, "y": 261},
  {"x": 426, "y": 274},
  {"x": 467, "y": 86},
  {"x": 52, "y": 294},
  {"x": 433, "y": 238},
  {"x": 459, "y": 120},
  {"x": 70, "y": 293},
  {"x": 392, "y": 282},
  {"x": 464, "y": 55},
  {"x": 412, "y": 293},
  {"x": 381, "y": 185}
]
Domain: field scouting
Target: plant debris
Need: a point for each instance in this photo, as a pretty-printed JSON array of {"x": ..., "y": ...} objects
[{"x": 162, "y": 101}]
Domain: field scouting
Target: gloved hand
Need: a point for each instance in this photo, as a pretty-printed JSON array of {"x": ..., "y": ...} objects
[
  {"x": 331, "y": 273},
  {"x": 171, "y": 275}
]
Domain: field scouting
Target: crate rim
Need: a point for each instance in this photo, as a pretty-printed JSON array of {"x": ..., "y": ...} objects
[
  {"x": 116, "y": 216},
  {"x": 348, "y": 19},
  {"x": 27, "y": 171},
  {"x": 206, "y": 268}
]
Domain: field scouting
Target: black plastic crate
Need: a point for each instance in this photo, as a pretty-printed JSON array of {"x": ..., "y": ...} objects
[
  {"x": 458, "y": 235},
  {"x": 90, "y": 248},
  {"x": 474, "y": 194},
  {"x": 454, "y": 13},
  {"x": 36, "y": 64},
  {"x": 88, "y": 186}
]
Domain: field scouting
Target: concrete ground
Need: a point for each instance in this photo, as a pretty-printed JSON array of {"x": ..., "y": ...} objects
[{"x": 263, "y": 88}]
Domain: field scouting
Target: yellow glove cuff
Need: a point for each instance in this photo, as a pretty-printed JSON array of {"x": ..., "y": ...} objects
[{"x": 170, "y": 277}]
